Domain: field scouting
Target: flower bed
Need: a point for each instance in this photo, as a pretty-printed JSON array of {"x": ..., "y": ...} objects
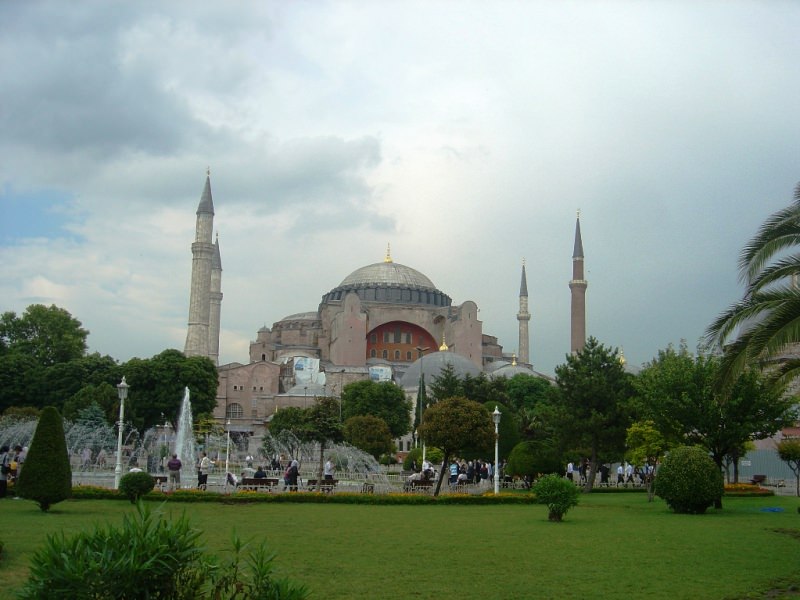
[{"x": 746, "y": 490}]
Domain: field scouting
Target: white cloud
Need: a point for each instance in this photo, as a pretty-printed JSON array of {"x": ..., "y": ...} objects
[{"x": 463, "y": 136}]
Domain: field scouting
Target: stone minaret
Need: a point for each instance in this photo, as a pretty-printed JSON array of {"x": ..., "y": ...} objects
[
  {"x": 578, "y": 288},
  {"x": 523, "y": 316},
  {"x": 197, "y": 334},
  {"x": 215, "y": 297}
]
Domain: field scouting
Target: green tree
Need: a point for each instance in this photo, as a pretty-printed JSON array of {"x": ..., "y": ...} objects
[
  {"x": 379, "y": 399},
  {"x": 532, "y": 458},
  {"x": 646, "y": 446},
  {"x": 446, "y": 384},
  {"x": 46, "y": 477},
  {"x": 593, "y": 394},
  {"x": 21, "y": 378},
  {"x": 103, "y": 395},
  {"x": 322, "y": 425},
  {"x": 678, "y": 392},
  {"x": 789, "y": 451},
  {"x": 761, "y": 328},
  {"x": 157, "y": 387},
  {"x": 454, "y": 424},
  {"x": 482, "y": 390},
  {"x": 369, "y": 433},
  {"x": 526, "y": 392},
  {"x": 49, "y": 335}
]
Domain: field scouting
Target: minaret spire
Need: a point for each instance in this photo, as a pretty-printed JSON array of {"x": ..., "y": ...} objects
[
  {"x": 577, "y": 286},
  {"x": 523, "y": 316},
  {"x": 203, "y": 250},
  {"x": 215, "y": 304}
]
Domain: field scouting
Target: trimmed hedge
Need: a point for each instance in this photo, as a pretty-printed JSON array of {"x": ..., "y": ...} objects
[
  {"x": 46, "y": 477},
  {"x": 689, "y": 481},
  {"x": 135, "y": 485}
]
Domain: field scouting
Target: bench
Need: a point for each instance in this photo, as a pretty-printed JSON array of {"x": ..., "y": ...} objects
[
  {"x": 422, "y": 485},
  {"x": 758, "y": 479},
  {"x": 367, "y": 488},
  {"x": 326, "y": 487},
  {"x": 257, "y": 483}
]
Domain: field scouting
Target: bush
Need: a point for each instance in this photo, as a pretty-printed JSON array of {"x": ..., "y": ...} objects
[
  {"x": 557, "y": 493},
  {"x": 46, "y": 477},
  {"x": 531, "y": 458},
  {"x": 135, "y": 485},
  {"x": 149, "y": 557},
  {"x": 689, "y": 481}
]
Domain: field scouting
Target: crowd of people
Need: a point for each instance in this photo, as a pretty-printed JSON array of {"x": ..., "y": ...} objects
[
  {"x": 626, "y": 473},
  {"x": 10, "y": 465}
]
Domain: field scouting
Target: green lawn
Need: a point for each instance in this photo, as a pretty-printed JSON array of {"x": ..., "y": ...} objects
[{"x": 610, "y": 546}]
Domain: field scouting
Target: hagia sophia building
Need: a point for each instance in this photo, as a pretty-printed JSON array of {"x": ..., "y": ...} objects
[{"x": 384, "y": 321}]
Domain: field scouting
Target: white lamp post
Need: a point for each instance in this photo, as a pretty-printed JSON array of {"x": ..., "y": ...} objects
[
  {"x": 227, "y": 449},
  {"x": 496, "y": 419},
  {"x": 122, "y": 392}
]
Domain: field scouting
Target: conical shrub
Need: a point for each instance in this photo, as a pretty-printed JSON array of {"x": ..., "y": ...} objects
[{"x": 46, "y": 477}]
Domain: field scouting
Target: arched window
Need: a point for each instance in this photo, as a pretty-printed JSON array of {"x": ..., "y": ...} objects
[
  {"x": 235, "y": 411},
  {"x": 397, "y": 354},
  {"x": 385, "y": 354},
  {"x": 372, "y": 353},
  {"x": 263, "y": 357},
  {"x": 408, "y": 355}
]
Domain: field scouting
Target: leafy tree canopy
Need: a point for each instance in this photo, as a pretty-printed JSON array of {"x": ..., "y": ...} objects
[
  {"x": 593, "y": 395},
  {"x": 456, "y": 424},
  {"x": 446, "y": 384},
  {"x": 383, "y": 399},
  {"x": 157, "y": 387},
  {"x": 49, "y": 335},
  {"x": 369, "y": 433}
]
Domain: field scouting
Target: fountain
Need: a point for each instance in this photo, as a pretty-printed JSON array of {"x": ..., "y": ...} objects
[
  {"x": 353, "y": 465},
  {"x": 184, "y": 441}
]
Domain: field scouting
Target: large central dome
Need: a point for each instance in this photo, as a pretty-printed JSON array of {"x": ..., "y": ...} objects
[
  {"x": 389, "y": 282},
  {"x": 388, "y": 273}
]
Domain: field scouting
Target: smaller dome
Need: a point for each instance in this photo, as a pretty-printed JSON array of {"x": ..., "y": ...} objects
[
  {"x": 304, "y": 316},
  {"x": 508, "y": 371},
  {"x": 432, "y": 365}
]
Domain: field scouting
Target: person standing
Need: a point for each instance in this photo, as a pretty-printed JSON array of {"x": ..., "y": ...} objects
[
  {"x": 174, "y": 465},
  {"x": 328, "y": 472},
  {"x": 290, "y": 477},
  {"x": 202, "y": 474},
  {"x": 570, "y": 471}
]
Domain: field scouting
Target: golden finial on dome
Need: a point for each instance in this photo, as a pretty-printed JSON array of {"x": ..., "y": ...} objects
[
  {"x": 622, "y": 359},
  {"x": 514, "y": 360},
  {"x": 443, "y": 347},
  {"x": 388, "y": 257}
]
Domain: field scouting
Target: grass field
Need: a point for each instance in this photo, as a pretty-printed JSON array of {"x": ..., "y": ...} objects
[{"x": 610, "y": 546}]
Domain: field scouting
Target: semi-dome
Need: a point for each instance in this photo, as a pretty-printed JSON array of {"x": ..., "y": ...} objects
[
  {"x": 432, "y": 365},
  {"x": 389, "y": 282}
]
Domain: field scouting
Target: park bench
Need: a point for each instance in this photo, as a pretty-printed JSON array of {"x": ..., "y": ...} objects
[
  {"x": 326, "y": 487},
  {"x": 258, "y": 483},
  {"x": 762, "y": 480},
  {"x": 422, "y": 485},
  {"x": 758, "y": 479},
  {"x": 367, "y": 488}
]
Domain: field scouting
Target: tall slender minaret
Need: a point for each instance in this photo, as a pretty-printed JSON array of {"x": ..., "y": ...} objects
[
  {"x": 197, "y": 334},
  {"x": 578, "y": 288},
  {"x": 523, "y": 316},
  {"x": 215, "y": 298}
]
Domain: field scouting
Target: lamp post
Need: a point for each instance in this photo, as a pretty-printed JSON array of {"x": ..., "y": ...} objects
[
  {"x": 496, "y": 419},
  {"x": 122, "y": 392},
  {"x": 227, "y": 449},
  {"x": 421, "y": 388}
]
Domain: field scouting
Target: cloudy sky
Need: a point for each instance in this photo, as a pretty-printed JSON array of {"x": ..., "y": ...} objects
[{"x": 464, "y": 134}]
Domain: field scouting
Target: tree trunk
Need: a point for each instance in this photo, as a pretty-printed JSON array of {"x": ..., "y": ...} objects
[
  {"x": 718, "y": 462},
  {"x": 445, "y": 462}
]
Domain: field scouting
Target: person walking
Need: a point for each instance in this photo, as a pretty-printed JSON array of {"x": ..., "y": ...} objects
[
  {"x": 290, "y": 477},
  {"x": 5, "y": 469}
]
